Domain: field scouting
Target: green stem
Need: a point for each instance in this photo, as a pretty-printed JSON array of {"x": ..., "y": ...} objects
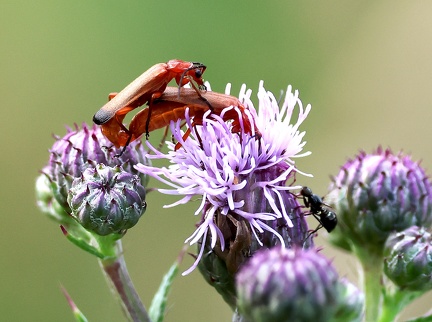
[
  {"x": 372, "y": 265},
  {"x": 120, "y": 282}
]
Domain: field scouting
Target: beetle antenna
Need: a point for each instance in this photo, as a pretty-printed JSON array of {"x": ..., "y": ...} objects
[
  {"x": 184, "y": 76},
  {"x": 194, "y": 66}
]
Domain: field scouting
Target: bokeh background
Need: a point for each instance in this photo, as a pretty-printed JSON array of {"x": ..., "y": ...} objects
[{"x": 365, "y": 66}]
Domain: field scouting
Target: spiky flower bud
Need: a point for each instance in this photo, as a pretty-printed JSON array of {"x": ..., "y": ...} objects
[
  {"x": 408, "y": 259},
  {"x": 107, "y": 200},
  {"x": 282, "y": 284},
  {"x": 377, "y": 194},
  {"x": 82, "y": 148}
]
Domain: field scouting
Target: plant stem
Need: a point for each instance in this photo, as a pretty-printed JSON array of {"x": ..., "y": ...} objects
[
  {"x": 372, "y": 265},
  {"x": 121, "y": 283}
]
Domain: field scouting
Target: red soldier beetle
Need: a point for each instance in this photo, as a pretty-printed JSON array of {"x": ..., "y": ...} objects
[
  {"x": 171, "y": 107},
  {"x": 146, "y": 88}
]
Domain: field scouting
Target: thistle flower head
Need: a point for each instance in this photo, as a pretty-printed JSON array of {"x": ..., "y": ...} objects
[
  {"x": 241, "y": 178},
  {"x": 107, "y": 200},
  {"x": 71, "y": 156},
  {"x": 408, "y": 259},
  {"x": 82, "y": 148},
  {"x": 377, "y": 194},
  {"x": 282, "y": 284}
]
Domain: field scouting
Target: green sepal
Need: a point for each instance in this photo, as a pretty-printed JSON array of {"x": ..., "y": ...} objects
[
  {"x": 83, "y": 244},
  {"x": 158, "y": 304}
]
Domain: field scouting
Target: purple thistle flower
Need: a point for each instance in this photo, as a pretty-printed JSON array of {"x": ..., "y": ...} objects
[
  {"x": 282, "y": 284},
  {"x": 82, "y": 148},
  {"x": 70, "y": 156},
  {"x": 377, "y": 194},
  {"x": 241, "y": 178}
]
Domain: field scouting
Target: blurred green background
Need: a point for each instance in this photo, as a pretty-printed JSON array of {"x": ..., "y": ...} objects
[{"x": 365, "y": 66}]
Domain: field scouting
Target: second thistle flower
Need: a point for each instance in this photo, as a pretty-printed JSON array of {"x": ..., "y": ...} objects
[
  {"x": 377, "y": 194},
  {"x": 295, "y": 285}
]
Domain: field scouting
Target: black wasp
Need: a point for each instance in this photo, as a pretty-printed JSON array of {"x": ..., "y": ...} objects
[{"x": 322, "y": 212}]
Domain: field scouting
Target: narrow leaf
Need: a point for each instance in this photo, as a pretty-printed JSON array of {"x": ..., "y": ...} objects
[
  {"x": 158, "y": 305},
  {"x": 79, "y": 316}
]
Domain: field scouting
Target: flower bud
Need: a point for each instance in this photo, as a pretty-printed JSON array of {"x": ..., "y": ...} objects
[
  {"x": 282, "y": 284},
  {"x": 351, "y": 303},
  {"x": 408, "y": 259},
  {"x": 82, "y": 148},
  {"x": 48, "y": 204},
  {"x": 107, "y": 200},
  {"x": 377, "y": 194}
]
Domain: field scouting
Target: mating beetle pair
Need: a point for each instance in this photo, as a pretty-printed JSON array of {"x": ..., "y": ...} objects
[{"x": 166, "y": 104}]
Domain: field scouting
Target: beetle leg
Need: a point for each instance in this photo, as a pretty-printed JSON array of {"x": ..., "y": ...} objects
[
  {"x": 125, "y": 146},
  {"x": 112, "y": 95},
  {"x": 185, "y": 136},
  {"x": 115, "y": 131},
  {"x": 197, "y": 90}
]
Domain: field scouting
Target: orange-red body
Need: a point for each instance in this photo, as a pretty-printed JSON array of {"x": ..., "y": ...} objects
[
  {"x": 146, "y": 88},
  {"x": 171, "y": 107}
]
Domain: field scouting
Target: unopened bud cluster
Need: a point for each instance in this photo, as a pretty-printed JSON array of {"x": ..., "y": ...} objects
[{"x": 88, "y": 180}]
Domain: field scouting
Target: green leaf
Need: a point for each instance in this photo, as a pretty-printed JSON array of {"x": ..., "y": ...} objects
[
  {"x": 158, "y": 305},
  {"x": 427, "y": 318},
  {"x": 79, "y": 316}
]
